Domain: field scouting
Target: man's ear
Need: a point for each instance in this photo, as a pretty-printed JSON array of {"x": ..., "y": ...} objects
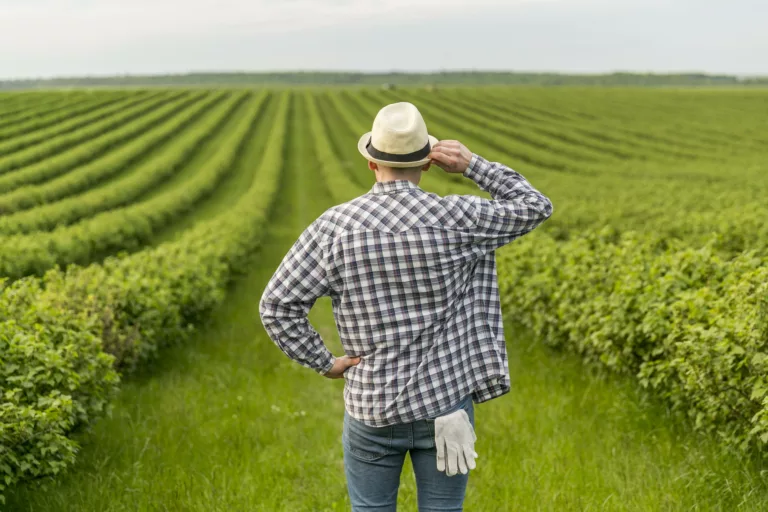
[
  {"x": 372, "y": 166},
  {"x": 426, "y": 166}
]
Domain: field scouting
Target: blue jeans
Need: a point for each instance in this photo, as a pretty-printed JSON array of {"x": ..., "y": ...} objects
[{"x": 374, "y": 457}]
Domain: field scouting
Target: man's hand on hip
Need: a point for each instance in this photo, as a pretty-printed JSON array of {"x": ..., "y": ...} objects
[
  {"x": 340, "y": 365},
  {"x": 451, "y": 156},
  {"x": 455, "y": 443}
]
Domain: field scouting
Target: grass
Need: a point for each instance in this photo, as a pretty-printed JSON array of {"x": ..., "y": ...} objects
[{"x": 228, "y": 423}]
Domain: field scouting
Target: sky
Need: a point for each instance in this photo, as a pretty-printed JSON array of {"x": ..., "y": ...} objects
[{"x": 49, "y": 38}]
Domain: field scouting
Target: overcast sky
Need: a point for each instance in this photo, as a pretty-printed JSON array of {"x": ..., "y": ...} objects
[{"x": 44, "y": 38}]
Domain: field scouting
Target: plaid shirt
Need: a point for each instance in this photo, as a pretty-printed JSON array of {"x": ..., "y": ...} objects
[{"x": 412, "y": 279}]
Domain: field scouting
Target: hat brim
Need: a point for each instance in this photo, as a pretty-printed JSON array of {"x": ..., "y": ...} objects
[{"x": 361, "y": 147}]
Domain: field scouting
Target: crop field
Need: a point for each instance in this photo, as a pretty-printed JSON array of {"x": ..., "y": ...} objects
[{"x": 138, "y": 229}]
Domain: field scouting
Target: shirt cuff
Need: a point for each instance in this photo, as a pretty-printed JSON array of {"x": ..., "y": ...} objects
[
  {"x": 491, "y": 389},
  {"x": 478, "y": 171},
  {"x": 326, "y": 367},
  {"x": 471, "y": 167}
]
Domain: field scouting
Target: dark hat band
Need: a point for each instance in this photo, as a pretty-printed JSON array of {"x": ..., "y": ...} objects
[{"x": 391, "y": 157}]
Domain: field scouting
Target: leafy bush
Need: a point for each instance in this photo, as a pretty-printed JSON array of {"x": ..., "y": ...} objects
[
  {"x": 54, "y": 377},
  {"x": 62, "y": 336},
  {"x": 688, "y": 323}
]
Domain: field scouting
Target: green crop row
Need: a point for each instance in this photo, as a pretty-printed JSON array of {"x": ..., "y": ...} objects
[
  {"x": 79, "y": 128},
  {"x": 687, "y": 323},
  {"x": 340, "y": 185},
  {"x": 36, "y": 106},
  {"x": 88, "y": 151},
  {"x": 512, "y": 110},
  {"x": 510, "y": 128},
  {"x": 336, "y": 127},
  {"x": 64, "y": 336},
  {"x": 50, "y": 214},
  {"x": 501, "y": 112},
  {"x": 36, "y": 122},
  {"x": 676, "y": 115},
  {"x": 641, "y": 119},
  {"x": 587, "y": 114},
  {"x": 574, "y": 133},
  {"x": 520, "y": 147},
  {"x": 125, "y": 228},
  {"x": 13, "y": 105}
]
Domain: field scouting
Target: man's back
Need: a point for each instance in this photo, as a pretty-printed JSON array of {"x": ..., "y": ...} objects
[{"x": 412, "y": 277}]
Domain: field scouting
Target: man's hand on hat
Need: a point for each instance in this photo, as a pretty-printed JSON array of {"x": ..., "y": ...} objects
[{"x": 451, "y": 156}]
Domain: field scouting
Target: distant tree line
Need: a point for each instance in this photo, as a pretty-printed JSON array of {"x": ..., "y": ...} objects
[{"x": 390, "y": 79}]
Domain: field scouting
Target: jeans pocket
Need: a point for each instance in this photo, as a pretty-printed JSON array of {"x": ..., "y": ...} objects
[{"x": 364, "y": 442}]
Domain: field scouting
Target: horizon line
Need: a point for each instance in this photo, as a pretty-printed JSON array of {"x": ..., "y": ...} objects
[{"x": 386, "y": 72}]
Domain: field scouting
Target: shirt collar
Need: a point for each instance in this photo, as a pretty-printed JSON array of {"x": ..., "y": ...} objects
[{"x": 389, "y": 187}]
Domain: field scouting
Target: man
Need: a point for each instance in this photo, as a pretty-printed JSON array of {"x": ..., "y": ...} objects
[{"x": 412, "y": 277}]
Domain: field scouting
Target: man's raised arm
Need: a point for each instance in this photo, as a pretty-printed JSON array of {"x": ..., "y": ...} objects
[{"x": 516, "y": 208}]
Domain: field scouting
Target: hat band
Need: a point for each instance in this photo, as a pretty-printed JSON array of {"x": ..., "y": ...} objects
[{"x": 392, "y": 157}]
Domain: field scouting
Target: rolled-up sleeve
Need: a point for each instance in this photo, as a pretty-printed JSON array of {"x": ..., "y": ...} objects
[{"x": 298, "y": 282}]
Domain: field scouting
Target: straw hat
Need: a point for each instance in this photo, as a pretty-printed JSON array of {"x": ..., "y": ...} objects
[{"x": 399, "y": 137}]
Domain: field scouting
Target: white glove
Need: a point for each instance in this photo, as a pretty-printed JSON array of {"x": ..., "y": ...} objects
[{"x": 455, "y": 442}]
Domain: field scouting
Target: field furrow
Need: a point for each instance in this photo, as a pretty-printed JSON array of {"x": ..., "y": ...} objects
[
  {"x": 228, "y": 134},
  {"x": 685, "y": 125},
  {"x": 161, "y": 159},
  {"x": 342, "y": 141},
  {"x": 330, "y": 162},
  {"x": 49, "y": 147},
  {"x": 92, "y": 150},
  {"x": 607, "y": 131},
  {"x": 549, "y": 126},
  {"x": 127, "y": 228},
  {"x": 36, "y": 121},
  {"x": 511, "y": 129},
  {"x": 22, "y": 105},
  {"x": 645, "y": 110},
  {"x": 235, "y": 184},
  {"x": 36, "y": 107},
  {"x": 85, "y": 126}
]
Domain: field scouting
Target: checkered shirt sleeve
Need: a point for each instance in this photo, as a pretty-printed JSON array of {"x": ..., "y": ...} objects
[
  {"x": 516, "y": 207},
  {"x": 289, "y": 296}
]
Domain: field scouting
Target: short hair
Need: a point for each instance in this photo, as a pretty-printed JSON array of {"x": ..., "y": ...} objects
[{"x": 404, "y": 170}]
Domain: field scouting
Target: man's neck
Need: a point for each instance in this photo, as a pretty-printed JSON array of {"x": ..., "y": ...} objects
[{"x": 413, "y": 178}]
